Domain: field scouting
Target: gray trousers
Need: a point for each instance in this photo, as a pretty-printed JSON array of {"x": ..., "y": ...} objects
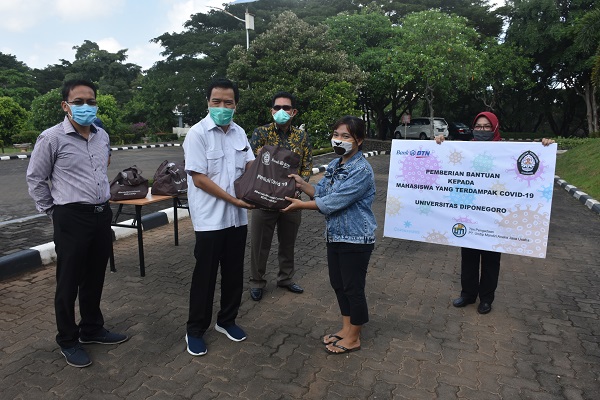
[{"x": 262, "y": 227}]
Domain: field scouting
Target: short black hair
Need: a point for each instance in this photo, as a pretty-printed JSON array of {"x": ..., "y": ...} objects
[
  {"x": 223, "y": 83},
  {"x": 70, "y": 85},
  {"x": 356, "y": 127},
  {"x": 287, "y": 95}
]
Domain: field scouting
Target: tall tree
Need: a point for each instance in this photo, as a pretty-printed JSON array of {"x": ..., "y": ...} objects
[
  {"x": 46, "y": 110},
  {"x": 367, "y": 37},
  {"x": 440, "y": 52},
  {"x": 293, "y": 56},
  {"x": 478, "y": 13},
  {"x": 13, "y": 118},
  {"x": 503, "y": 72},
  {"x": 587, "y": 41},
  {"x": 16, "y": 81},
  {"x": 107, "y": 69},
  {"x": 199, "y": 53},
  {"x": 50, "y": 77},
  {"x": 539, "y": 28}
]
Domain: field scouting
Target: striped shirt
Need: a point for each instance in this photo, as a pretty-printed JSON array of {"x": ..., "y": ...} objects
[{"x": 75, "y": 167}]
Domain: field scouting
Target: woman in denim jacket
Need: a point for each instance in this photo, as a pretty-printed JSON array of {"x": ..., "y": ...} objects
[{"x": 344, "y": 196}]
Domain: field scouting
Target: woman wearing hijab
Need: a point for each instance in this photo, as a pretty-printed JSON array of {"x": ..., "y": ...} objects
[{"x": 485, "y": 128}]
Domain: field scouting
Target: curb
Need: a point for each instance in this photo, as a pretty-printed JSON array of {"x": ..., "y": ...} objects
[
  {"x": 141, "y": 146},
  {"x": 38, "y": 256},
  {"x": 367, "y": 154},
  {"x": 584, "y": 198}
]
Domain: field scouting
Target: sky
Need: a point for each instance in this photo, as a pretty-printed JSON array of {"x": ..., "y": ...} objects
[{"x": 42, "y": 32}]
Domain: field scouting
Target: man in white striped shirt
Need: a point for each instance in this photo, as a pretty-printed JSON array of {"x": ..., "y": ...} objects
[{"x": 73, "y": 156}]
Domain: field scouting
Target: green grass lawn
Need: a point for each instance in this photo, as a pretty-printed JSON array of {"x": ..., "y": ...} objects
[
  {"x": 11, "y": 150},
  {"x": 580, "y": 166}
]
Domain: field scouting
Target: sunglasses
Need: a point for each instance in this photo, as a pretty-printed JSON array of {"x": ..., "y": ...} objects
[
  {"x": 284, "y": 108},
  {"x": 80, "y": 102}
]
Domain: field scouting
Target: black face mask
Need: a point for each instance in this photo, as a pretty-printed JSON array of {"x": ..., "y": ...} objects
[{"x": 483, "y": 136}]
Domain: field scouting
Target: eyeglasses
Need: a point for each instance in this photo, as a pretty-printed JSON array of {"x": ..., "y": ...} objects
[
  {"x": 486, "y": 127},
  {"x": 79, "y": 102},
  {"x": 285, "y": 108}
]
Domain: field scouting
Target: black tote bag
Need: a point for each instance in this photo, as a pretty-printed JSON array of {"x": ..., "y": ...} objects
[{"x": 265, "y": 183}]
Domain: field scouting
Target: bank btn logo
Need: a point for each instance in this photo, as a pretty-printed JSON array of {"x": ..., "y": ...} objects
[
  {"x": 459, "y": 230},
  {"x": 528, "y": 163},
  {"x": 266, "y": 158}
]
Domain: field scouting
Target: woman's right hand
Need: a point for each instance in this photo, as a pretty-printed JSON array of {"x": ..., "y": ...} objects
[
  {"x": 295, "y": 204},
  {"x": 302, "y": 185},
  {"x": 299, "y": 181}
]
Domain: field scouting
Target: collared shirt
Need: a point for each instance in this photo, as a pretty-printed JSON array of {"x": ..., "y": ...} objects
[
  {"x": 295, "y": 140},
  {"x": 76, "y": 167},
  {"x": 222, "y": 157}
]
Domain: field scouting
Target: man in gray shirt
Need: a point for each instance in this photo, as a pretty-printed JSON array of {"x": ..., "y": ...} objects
[{"x": 73, "y": 157}]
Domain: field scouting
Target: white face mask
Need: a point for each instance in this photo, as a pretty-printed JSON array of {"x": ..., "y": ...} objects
[{"x": 340, "y": 147}]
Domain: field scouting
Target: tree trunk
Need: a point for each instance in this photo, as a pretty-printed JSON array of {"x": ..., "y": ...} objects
[
  {"x": 430, "y": 96},
  {"x": 589, "y": 96}
]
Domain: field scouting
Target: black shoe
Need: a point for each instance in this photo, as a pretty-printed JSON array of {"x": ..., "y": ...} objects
[
  {"x": 76, "y": 356},
  {"x": 293, "y": 287},
  {"x": 104, "y": 337},
  {"x": 256, "y": 294},
  {"x": 462, "y": 301},
  {"x": 484, "y": 308}
]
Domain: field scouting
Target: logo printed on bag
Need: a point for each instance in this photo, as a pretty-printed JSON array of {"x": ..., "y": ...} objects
[
  {"x": 267, "y": 183},
  {"x": 266, "y": 158}
]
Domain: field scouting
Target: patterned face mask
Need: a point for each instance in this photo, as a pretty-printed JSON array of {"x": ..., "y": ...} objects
[{"x": 340, "y": 147}]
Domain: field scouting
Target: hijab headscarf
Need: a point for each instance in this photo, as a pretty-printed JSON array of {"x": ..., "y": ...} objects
[{"x": 493, "y": 120}]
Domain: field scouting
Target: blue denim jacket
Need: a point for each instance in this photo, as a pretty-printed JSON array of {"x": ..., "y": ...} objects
[{"x": 345, "y": 195}]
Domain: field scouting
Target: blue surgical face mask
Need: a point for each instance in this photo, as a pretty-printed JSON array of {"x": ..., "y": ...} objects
[
  {"x": 281, "y": 117},
  {"x": 84, "y": 114},
  {"x": 222, "y": 116}
]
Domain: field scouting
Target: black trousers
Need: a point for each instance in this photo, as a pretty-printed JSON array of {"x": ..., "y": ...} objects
[
  {"x": 474, "y": 285},
  {"x": 226, "y": 248},
  {"x": 348, "y": 264},
  {"x": 83, "y": 242}
]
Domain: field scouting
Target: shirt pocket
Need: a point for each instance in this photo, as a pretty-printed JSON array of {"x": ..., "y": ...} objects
[
  {"x": 240, "y": 159},
  {"x": 214, "y": 160}
]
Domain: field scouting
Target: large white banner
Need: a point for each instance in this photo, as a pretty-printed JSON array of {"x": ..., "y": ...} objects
[{"x": 484, "y": 195}]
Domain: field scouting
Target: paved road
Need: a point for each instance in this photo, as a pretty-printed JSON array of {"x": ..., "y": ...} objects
[
  {"x": 16, "y": 203},
  {"x": 33, "y": 229},
  {"x": 539, "y": 342}
]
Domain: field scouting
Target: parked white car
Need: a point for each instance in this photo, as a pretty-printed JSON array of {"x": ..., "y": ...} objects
[{"x": 420, "y": 128}]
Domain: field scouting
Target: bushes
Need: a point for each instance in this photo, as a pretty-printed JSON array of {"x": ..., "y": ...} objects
[
  {"x": 25, "y": 137},
  {"x": 13, "y": 118},
  {"x": 524, "y": 135},
  {"x": 571, "y": 142},
  {"x": 133, "y": 133}
]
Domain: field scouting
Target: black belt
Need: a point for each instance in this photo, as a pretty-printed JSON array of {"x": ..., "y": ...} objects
[{"x": 91, "y": 208}]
